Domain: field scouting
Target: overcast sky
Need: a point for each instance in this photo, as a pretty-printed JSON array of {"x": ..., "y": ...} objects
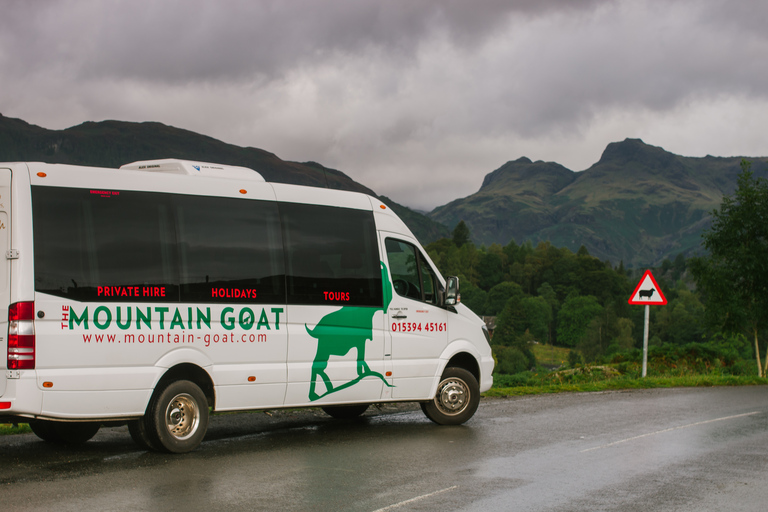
[{"x": 417, "y": 99}]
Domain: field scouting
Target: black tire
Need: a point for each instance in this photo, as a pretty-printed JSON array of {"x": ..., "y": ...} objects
[
  {"x": 177, "y": 418},
  {"x": 345, "y": 412},
  {"x": 138, "y": 431},
  {"x": 45, "y": 430},
  {"x": 77, "y": 433},
  {"x": 63, "y": 432},
  {"x": 456, "y": 400}
]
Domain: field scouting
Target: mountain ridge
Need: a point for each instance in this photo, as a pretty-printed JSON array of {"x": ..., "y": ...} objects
[
  {"x": 115, "y": 143},
  {"x": 638, "y": 204}
]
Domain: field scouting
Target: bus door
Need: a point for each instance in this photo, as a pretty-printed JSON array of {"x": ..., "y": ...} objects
[
  {"x": 335, "y": 314},
  {"x": 417, "y": 326},
  {"x": 5, "y": 268}
]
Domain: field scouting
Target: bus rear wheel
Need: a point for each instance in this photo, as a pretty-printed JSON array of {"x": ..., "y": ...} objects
[
  {"x": 456, "y": 400},
  {"x": 64, "y": 433},
  {"x": 177, "y": 418}
]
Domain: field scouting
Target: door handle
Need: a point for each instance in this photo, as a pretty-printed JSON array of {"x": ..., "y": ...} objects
[{"x": 399, "y": 316}]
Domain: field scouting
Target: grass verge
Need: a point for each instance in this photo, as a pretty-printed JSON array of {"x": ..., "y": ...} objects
[
  {"x": 8, "y": 429},
  {"x": 619, "y": 383}
]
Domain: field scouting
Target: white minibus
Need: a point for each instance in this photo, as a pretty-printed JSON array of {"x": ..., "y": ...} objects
[{"x": 153, "y": 294}]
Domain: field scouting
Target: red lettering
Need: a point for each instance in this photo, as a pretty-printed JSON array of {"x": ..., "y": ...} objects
[
  {"x": 99, "y": 289},
  {"x": 328, "y": 295},
  {"x": 234, "y": 293}
]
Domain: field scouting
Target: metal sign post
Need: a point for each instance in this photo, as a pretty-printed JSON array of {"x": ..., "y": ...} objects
[
  {"x": 647, "y": 293},
  {"x": 645, "y": 339}
]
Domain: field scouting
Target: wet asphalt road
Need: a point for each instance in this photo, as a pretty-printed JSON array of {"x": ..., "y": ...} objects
[{"x": 659, "y": 450}]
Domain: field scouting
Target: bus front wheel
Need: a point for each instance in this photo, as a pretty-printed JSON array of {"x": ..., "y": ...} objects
[{"x": 456, "y": 400}]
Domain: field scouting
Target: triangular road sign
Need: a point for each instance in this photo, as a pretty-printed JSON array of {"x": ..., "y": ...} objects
[{"x": 648, "y": 292}]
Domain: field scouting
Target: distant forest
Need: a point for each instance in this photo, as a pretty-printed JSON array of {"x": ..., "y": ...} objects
[{"x": 546, "y": 294}]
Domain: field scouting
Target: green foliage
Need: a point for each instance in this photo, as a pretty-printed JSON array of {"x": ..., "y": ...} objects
[
  {"x": 681, "y": 321},
  {"x": 473, "y": 297},
  {"x": 490, "y": 271},
  {"x": 536, "y": 318},
  {"x": 574, "y": 359},
  {"x": 734, "y": 277},
  {"x": 461, "y": 235},
  {"x": 503, "y": 380},
  {"x": 684, "y": 360},
  {"x": 18, "y": 428},
  {"x": 511, "y": 360},
  {"x": 509, "y": 324},
  {"x": 575, "y": 317},
  {"x": 500, "y": 295},
  {"x": 553, "y": 296},
  {"x": 694, "y": 364}
]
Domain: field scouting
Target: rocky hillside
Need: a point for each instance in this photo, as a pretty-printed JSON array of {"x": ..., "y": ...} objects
[
  {"x": 639, "y": 203},
  {"x": 114, "y": 143}
]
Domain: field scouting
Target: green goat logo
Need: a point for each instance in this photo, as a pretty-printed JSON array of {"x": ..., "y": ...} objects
[{"x": 338, "y": 333}]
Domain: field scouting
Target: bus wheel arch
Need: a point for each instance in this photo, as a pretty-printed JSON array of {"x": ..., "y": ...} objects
[
  {"x": 193, "y": 373},
  {"x": 467, "y": 362}
]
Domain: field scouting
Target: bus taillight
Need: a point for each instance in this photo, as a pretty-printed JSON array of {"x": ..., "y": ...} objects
[{"x": 21, "y": 336}]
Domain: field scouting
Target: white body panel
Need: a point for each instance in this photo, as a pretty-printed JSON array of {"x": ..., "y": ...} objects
[{"x": 103, "y": 359}]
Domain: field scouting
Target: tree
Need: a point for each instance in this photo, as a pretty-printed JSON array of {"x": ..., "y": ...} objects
[
  {"x": 489, "y": 270},
  {"x": 499, "y": 295},
  {"x": 473, "y": 297},
  {"x": 574, "y": 318},
  {"x": 734, "y": 277},
  {"x": 537, "y": 315},
  {"x": 548, "y": 293},
  {"x": 461, "y": 234},
  {"x": 600, "y": 336}
]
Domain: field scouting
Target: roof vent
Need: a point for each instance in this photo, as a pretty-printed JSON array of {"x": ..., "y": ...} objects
[{"x": 190, "y": 168}]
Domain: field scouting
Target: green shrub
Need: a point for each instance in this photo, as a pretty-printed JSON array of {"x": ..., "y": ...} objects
[
  {"x": 514, "y": 381},
  {"x": 512, "y": 360}
]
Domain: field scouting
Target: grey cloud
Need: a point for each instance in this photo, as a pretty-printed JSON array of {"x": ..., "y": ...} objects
[
  {"x": 183, "y": 40},
  {"x": 388, "y": 90}
]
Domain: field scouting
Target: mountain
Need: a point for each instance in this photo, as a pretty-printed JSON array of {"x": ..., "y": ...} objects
[
  {"x": 638, "y": 203},
  {"x": 114, "y": 143}
]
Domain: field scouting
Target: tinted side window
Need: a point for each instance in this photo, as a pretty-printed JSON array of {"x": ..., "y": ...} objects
[
  {"x": 412, "y": 277},
  {"x": 230, "y": 249},
  {"x": 104, "y": 245},
  {"x": 331, "y": 255}
]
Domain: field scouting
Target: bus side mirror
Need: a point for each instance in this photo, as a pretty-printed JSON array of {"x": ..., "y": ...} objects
[{"x": 452, "y": 296}]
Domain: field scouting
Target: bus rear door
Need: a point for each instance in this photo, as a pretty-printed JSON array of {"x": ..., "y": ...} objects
[{"x": 5, "y": 267}]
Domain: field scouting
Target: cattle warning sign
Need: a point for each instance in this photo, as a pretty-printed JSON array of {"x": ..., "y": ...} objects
[{"x": 648, "y": 292}]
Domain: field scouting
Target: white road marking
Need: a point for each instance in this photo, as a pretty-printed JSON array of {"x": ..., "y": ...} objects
[
  {"x": 417, "y": 498},
  {"x": 669, "y": 430}
]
